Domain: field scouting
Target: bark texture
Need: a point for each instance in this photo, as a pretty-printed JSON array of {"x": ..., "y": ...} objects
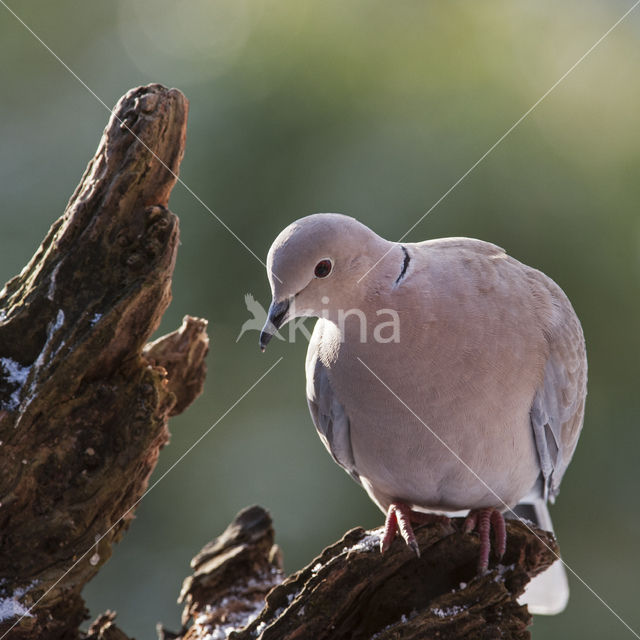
[
  {"x": 83, "y": 404},
  {"x": 351, "y": 592}
]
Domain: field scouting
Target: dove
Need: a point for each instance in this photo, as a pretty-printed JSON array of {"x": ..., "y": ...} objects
[{"x": 470, "y": 397}]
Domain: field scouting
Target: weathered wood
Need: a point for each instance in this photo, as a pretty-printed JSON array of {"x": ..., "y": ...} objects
[
  {"x": 83, "y": 409},
  {"x": 182, "y": 353},
  {"x": 104, "y": 628},
  {"x": 232, "y": 576},
  {"x": 352, "y": 592}
]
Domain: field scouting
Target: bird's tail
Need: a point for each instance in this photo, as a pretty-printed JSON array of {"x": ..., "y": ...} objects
[{"x": 548, "y": 592}]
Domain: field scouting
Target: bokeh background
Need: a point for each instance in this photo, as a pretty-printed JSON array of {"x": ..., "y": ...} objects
[{"x": 373, "y": 109}]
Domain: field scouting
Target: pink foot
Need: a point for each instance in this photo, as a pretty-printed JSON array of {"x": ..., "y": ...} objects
[
  {"x": 485, "y": 520},
  {"x": 399, "y": 517}
]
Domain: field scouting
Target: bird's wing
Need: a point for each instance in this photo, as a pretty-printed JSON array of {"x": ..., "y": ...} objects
[
  {"x": 328, "y": 414},
  {"x": 558, "y": 406}
]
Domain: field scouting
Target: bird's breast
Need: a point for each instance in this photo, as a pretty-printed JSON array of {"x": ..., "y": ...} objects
[{"x": 445, "y": 404}]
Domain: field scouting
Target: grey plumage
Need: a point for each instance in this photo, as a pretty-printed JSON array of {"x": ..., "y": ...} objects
[
  {"x": 328, "y": 414},
  {"x": 490, "y": 357}
]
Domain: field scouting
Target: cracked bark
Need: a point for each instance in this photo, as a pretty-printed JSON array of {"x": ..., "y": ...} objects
[
  {"x": 84, "y": 404},
  {"x": 351, "y": 592}
]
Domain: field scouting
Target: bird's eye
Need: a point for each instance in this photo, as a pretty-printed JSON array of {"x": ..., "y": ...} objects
[{"x": 323, "y": 268}]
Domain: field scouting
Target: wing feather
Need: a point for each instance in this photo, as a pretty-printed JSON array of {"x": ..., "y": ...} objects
[
  {"x": 558, "y": 407},
  {"x": 328, "y": 414}
]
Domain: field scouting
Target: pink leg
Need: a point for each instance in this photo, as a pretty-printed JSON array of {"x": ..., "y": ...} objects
[
  {"x": 399, "y": 518},
  {"x": 390, "y": 529},
  {"x": 499, "y": 533},
  {"x": 484, "y": 520}
]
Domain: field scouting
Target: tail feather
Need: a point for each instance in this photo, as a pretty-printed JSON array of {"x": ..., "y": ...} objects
[{"x": 548, "y": 592}]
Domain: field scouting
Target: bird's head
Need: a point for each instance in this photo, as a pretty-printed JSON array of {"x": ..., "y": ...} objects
[{"x": 314, "y": 266}]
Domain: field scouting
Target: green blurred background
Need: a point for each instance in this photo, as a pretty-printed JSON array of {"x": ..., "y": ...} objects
[{"x": 373, "y": 109}]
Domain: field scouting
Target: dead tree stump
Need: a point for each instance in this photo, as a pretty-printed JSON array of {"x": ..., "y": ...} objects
[
  {"x": 352, "y": 592},
  {"x": 83, "y": 404}
]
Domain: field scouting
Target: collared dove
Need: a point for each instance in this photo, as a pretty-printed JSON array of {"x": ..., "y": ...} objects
[{"x": 470, "y": 398}]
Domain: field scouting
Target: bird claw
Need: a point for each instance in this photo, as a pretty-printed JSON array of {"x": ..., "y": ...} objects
[
  {"x": 484, "y": 520},
  {"x": 399, "y": 521},
  {"x": 399, "y": 518}
]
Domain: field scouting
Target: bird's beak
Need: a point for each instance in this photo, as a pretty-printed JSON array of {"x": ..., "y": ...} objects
[{"x": 275, "y": 319}]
